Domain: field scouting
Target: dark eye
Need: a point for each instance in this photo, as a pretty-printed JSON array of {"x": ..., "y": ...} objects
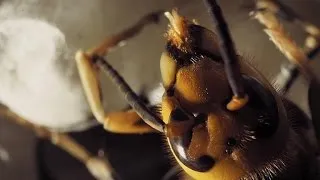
[{"x": 264, "y": 107}]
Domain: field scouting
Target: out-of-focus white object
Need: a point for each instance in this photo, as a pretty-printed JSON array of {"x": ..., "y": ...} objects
[
  {"x": 155, "y": 95},
  {"x": 39, "y": 81},
  {"x": 4, "y": 155},
  {"x": 38, "y": 77}
]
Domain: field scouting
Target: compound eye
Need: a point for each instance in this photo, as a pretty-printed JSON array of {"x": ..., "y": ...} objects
[{"x": 264, "y": 107}]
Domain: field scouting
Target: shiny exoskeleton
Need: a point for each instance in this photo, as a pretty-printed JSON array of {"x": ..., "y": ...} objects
[{"x": 261, "y": 140}]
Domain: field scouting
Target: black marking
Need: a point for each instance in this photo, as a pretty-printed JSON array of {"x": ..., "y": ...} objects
[
  {"x": 178, "y": 115},
  {"x": 201, "y": 118},
  {"x": 180, "y": 57},
  {"x": 198, "y": 34},
  {"x": 206, "y": 159},
  {"x": 170, "y": 92},
  {"x": 197, "y": 52},
  {"x": 186, "y": 58},
  {"x": 180, "y": 142},
  {"x": 202, "y": 164}
]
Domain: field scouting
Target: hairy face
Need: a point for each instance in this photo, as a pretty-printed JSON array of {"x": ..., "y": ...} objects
[{"x": 207, "y": 139}]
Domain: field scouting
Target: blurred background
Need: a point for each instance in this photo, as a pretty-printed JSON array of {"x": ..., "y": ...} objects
[{"x": 85, "y": 23}]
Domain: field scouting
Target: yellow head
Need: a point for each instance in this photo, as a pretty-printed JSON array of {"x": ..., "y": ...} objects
[{"x": 207, "y": 139}]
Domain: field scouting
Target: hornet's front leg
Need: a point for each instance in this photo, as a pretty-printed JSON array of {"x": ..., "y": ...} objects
[{"x": 118, "y": 122}]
